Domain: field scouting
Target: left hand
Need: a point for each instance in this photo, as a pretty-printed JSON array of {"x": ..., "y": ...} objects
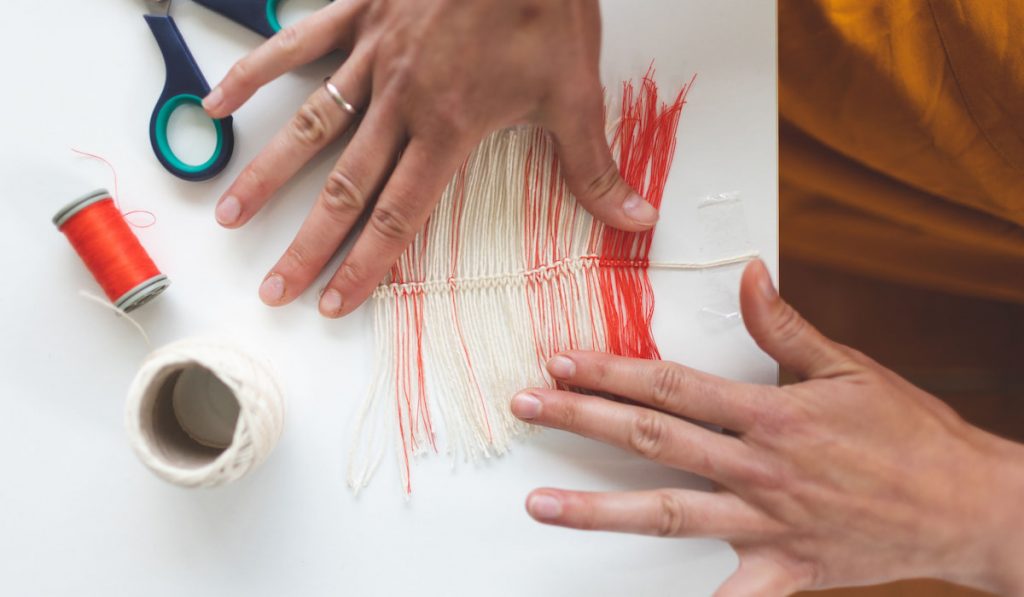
[{"x": 853, "y": 476}]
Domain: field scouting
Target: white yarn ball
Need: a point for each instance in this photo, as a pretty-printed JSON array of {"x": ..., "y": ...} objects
[{"x": 203, "y": 413}]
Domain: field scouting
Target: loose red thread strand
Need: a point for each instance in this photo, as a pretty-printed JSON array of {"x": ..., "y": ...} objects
[
  {"x": 413, "y": 414},
  {"x": 117, "y": 193}
]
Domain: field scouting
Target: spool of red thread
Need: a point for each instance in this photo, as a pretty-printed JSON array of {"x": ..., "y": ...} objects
[{"x": 108, "y": 247}]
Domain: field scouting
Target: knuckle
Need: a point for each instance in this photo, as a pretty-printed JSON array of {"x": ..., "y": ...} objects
[
  {"x": 780, "y": 418},
  {"x": 788, "y": 325},
  {"x": 241, "y": 72},
  {"x": 752, "y": 469},
  {"x": 401, "y": 72},
  {"x": 309, "y": 126},
  {"x": 855, "y": 355},
  {"x": 391, "y": 224},
  {"x": 443, "y": 131},
  {"x": 349, "y": 274},
  {"x": 707, "y": 464},
  {"x": 452, "y": 117},
  {"x": 449, "y": 116},
  {"x": 257, "y": 181},
  {"x": 765, "y": 419},
  {"x": 762, "y": 476},
  {"x": 288, "y": 41},
  {"x": 859, "y": 360},
  {"x": 671, "y": 516},
  {"x": 595, "y": 368},
  {"x": 341, "y": 196},
  {"x": 600, "y": 187},
  {"x": 647, "y": 435},
  {"x": 765, "y": 422},
  {"x": 668, "y": 383},
  {"x": 568, "y": 416},
  {"x": 809, "y": 574},
  {"x": 297, "y": 256},
  {"x": 580, "y": 106}
]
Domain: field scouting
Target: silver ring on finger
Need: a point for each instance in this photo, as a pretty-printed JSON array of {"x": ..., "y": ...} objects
[{"x": 338, "y": 98}]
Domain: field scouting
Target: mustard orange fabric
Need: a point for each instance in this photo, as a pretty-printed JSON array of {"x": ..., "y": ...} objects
[{"x": 902, "y": 140}]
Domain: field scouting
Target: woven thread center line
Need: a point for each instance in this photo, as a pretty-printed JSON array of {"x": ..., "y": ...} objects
[{"x": 559, "y": 268}]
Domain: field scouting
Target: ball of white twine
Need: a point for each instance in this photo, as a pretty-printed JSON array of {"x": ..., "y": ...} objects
[{"x": 185, "y": 453}]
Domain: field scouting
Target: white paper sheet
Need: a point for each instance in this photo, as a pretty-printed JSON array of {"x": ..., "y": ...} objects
[{"x": 81, "y": 516}]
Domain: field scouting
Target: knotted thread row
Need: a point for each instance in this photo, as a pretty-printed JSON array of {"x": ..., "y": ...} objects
[{"x": 562, "y": 267}]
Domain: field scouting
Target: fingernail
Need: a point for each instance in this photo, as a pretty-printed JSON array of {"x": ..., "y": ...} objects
[
  {"x": 272, "y": 289},
  {"x": 330, "y": 303},
  {"x": 767, "y": 288},
  {"x": 544, "y": 507},
  {"x": 228, "y": 210},
  {"x": 561, "y": 367},
  {"x": 639, "y": 210},
  {"x": 213, "y": 100},
  {"x": 526, "y": 406}
]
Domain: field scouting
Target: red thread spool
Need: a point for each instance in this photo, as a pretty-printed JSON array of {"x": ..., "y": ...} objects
[{"x": 101, "y": 237}]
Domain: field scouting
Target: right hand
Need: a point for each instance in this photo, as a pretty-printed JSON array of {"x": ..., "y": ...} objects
[{"x": 433, "y": 78}]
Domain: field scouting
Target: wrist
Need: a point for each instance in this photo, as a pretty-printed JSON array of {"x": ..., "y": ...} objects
[{"x": 995, "y": 545}]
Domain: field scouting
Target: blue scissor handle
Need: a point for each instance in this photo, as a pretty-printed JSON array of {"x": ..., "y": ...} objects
[
  {"x": 184, "y": 84},
  {"x": 258, "y": 15}
]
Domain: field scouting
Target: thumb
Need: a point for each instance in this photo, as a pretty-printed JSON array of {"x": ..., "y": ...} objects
[
  {"x": 781, "y": 332},
  {"x": 591, "y": 173}
]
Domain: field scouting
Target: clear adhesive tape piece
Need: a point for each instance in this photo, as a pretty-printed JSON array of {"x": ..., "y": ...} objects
[{"x": 723, "y": 231}]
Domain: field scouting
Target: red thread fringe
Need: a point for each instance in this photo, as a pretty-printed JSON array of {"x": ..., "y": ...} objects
[{"x": 646, "y": 144}]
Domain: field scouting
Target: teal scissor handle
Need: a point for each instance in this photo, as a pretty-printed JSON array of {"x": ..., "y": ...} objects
[
  {"x": 184, "y": 84},
  {"x": 162, "y": 117},
  {"x": 258, "y": 15},
  {"x": 271, "y": 11}
]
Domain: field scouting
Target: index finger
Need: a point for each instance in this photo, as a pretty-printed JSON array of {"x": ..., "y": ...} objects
[
  {"x": 664, "y": 385},
  {"x": 406, "y": 202},
  {"x": 312, "y": 37}
]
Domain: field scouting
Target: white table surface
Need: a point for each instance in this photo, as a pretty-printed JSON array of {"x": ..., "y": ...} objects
[{"x": 80, "y": 515}]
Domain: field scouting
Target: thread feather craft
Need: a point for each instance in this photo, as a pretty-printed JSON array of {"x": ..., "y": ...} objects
[{"x": 508, "y": 271}]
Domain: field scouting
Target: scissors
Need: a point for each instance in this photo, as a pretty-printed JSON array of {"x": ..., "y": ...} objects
[{"x": 185, "y": 83}]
